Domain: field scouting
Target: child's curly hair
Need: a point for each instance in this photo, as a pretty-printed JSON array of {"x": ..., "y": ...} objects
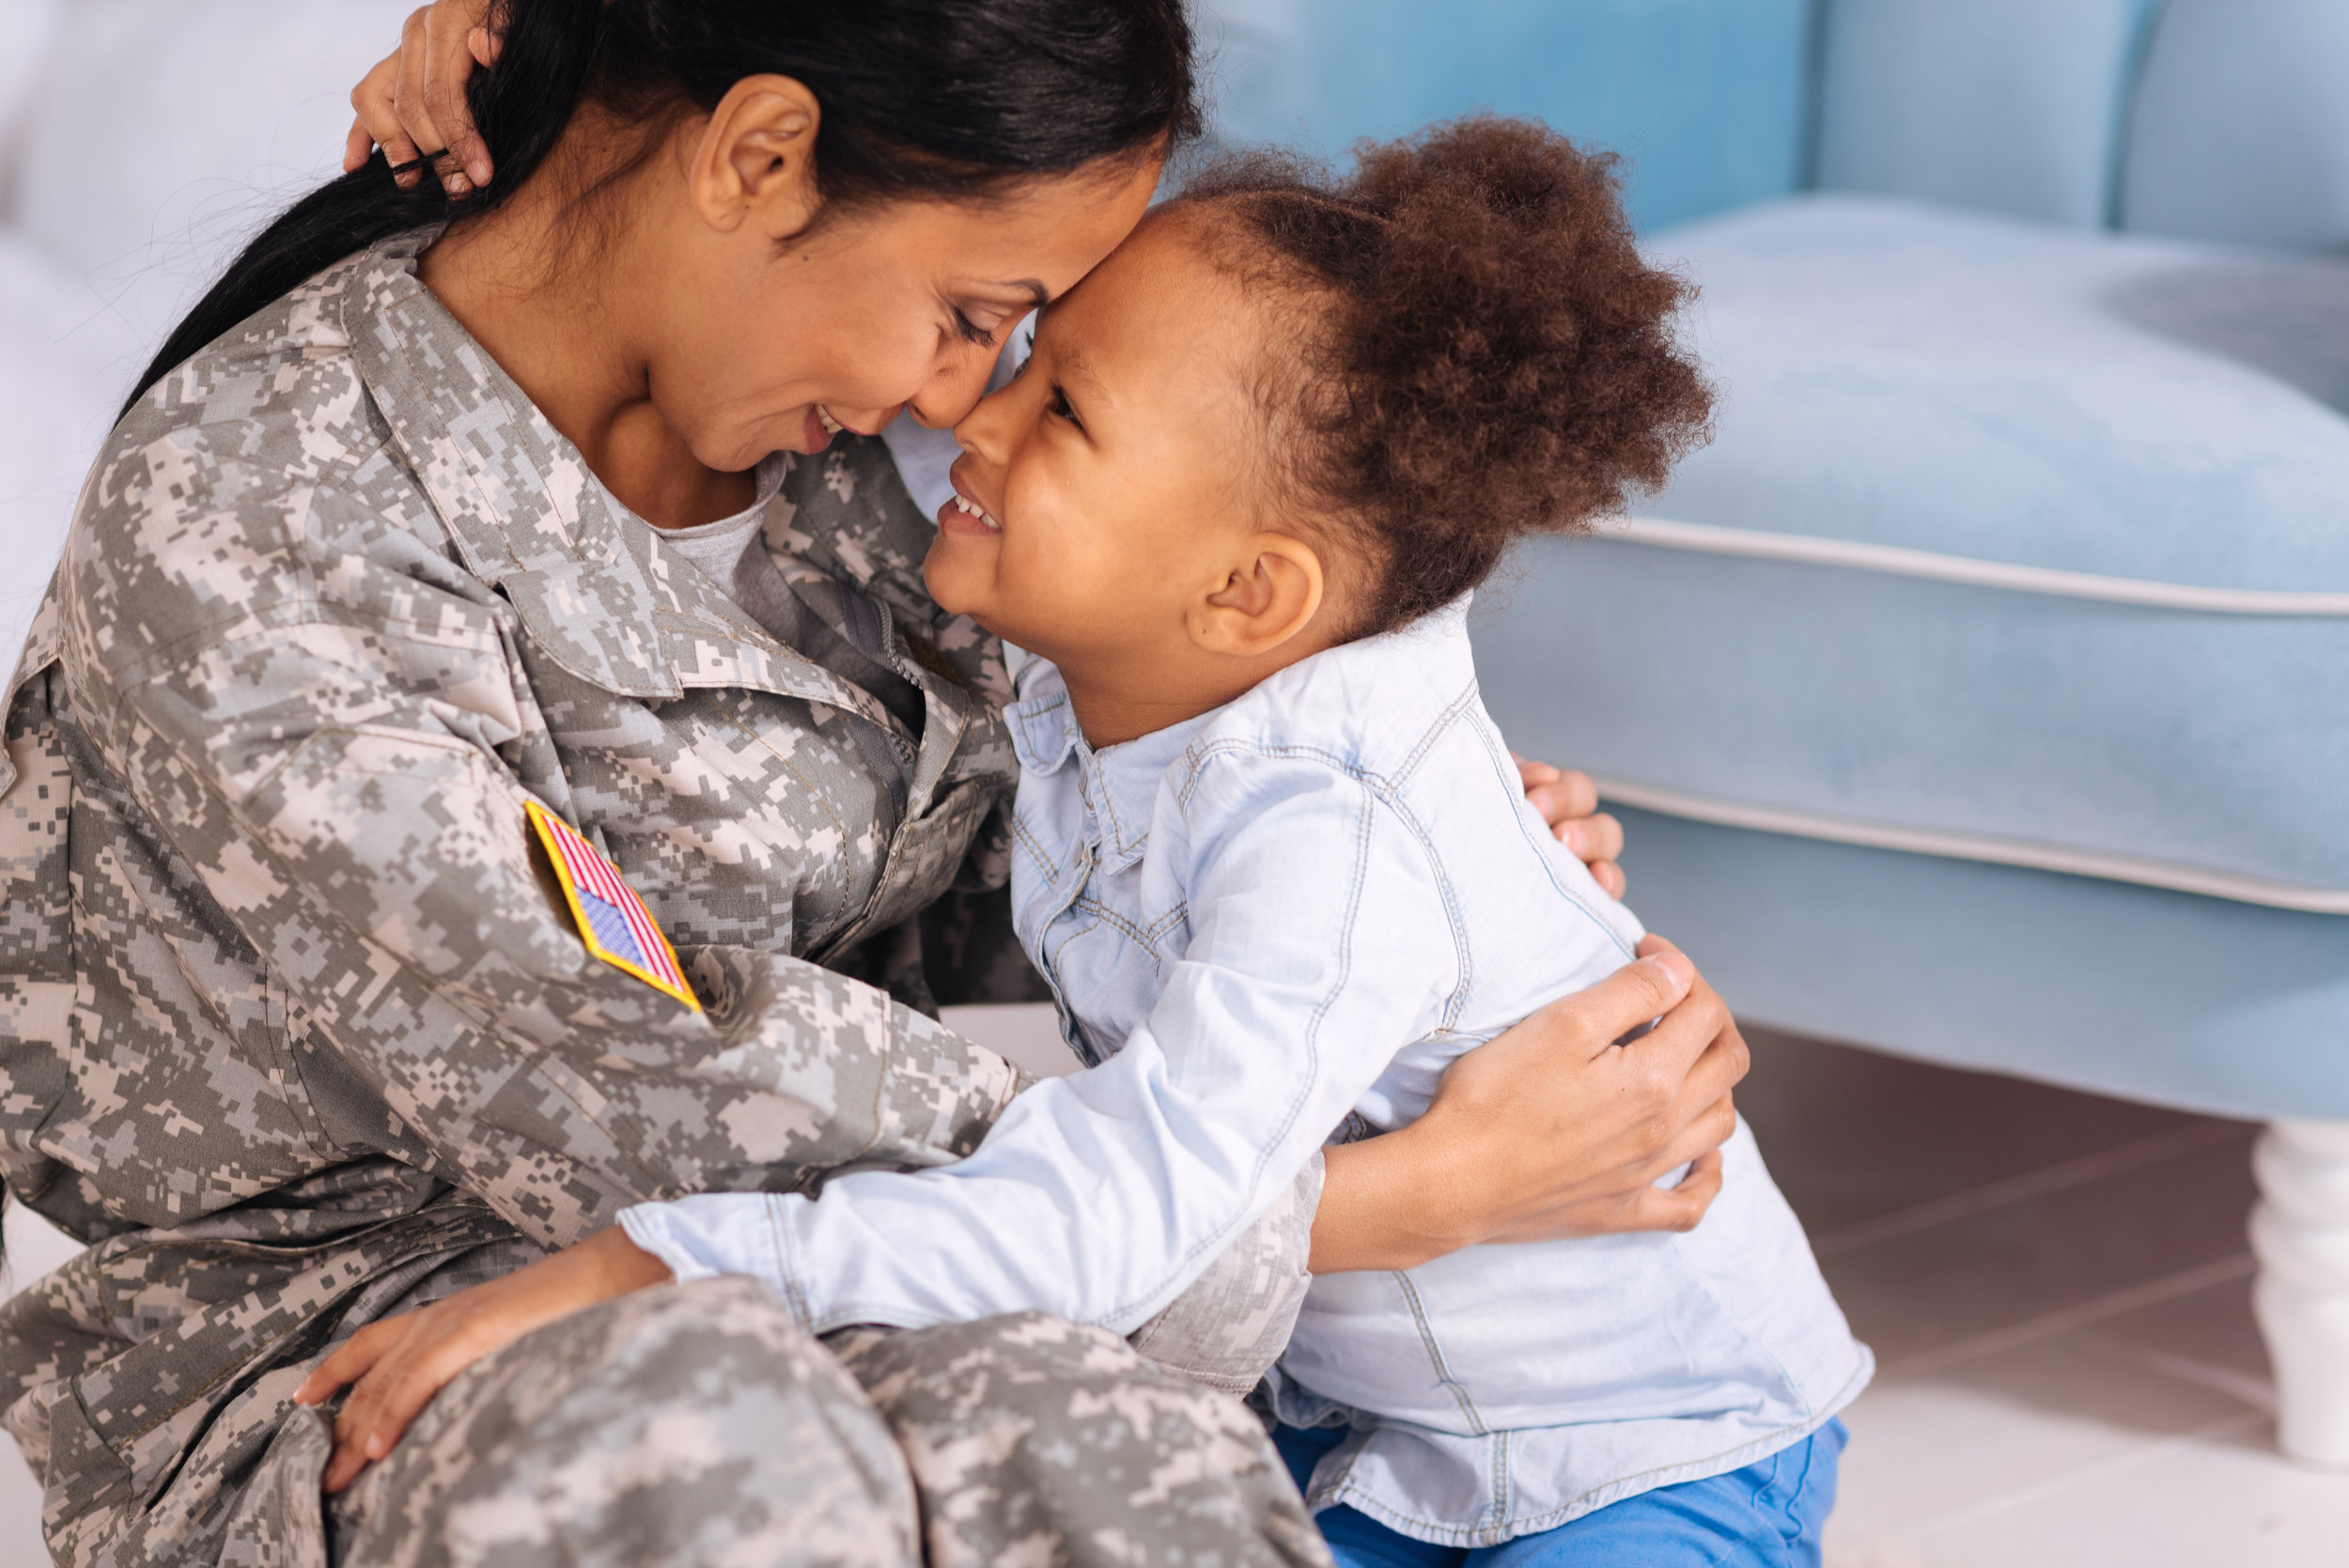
[{"x": 1485, "y": 354}]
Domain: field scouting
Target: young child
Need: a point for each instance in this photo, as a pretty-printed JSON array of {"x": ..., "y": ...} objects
[{"x": 1274, "y": 858}]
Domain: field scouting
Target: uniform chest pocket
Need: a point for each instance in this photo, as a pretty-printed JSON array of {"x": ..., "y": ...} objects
[{"x": 922, "y": 859}]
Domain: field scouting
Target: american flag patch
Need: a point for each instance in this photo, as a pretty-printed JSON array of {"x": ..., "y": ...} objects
[{"x": 613, "y": 920}]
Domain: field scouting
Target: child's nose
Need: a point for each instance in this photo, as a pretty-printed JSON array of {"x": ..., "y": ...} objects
[{"x": 984, "y": 432}]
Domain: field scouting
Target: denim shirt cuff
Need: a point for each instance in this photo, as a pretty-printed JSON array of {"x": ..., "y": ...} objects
[{"x": 716, "y": 1234}]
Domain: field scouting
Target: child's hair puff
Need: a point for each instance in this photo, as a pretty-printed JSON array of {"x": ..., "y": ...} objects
[{"x": 1482, "y": 352}]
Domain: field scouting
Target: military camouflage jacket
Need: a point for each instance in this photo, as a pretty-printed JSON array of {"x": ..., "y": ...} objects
[{"x": 291, "y": 1012}]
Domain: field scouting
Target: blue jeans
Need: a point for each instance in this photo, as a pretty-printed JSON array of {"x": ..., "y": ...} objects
[{"x": 1767, "y": 1515}]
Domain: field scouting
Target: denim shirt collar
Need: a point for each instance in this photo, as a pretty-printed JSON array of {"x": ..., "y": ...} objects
[{"x": 1120, "y": 783}]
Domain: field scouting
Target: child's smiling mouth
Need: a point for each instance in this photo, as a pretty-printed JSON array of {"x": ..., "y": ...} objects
[{"x": 962, "y": 515}]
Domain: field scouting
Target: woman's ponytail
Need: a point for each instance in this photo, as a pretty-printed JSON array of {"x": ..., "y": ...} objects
[{"x": 521, "y": 108}]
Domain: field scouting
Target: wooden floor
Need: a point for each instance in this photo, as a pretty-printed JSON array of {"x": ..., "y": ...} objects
[{"x": 2058, "y": 1291}]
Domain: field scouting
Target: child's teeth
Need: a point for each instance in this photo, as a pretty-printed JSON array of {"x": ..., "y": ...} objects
[{"x": 823, "y": 417}]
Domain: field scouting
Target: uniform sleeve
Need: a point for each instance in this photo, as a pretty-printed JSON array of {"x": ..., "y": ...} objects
[
  {"x": 309, "y": 708},
  {"x": 1319, "y": 946}
]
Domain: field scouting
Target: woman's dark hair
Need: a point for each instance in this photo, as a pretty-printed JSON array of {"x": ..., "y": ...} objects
[
  {"x": 1480, "y": 351},
  {"x": 921, "y": 98}
]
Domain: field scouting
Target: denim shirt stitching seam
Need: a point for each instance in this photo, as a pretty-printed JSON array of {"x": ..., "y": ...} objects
[
  {"x": 1455, "y": 916},
  {"x": 1485, "y": 736},
  {"x": 1313, "y": 1029},
  {"x": 1104, "y": 915},
  {"x": 1442, "y": 1362}
]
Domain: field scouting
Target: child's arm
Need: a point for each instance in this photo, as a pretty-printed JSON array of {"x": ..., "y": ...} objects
[{"x": 1320, "y": 945}]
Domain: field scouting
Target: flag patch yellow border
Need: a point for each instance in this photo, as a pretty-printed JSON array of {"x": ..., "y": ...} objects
[{"x": 613, "y": 920}]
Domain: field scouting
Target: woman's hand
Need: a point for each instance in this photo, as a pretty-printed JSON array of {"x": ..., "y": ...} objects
[
  {"x": 412, "y": 103},
  {"x": 1568, "y": 802},
  {"x": 1552, "y": 1129},
  {"x": 401, "y": 1362}
]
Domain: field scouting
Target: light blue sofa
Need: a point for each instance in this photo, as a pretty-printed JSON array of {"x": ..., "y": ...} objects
[{"x": 1981, "y": 692}]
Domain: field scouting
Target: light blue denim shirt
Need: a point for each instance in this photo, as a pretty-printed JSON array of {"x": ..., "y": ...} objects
[{"x": 1276, "y": 923}]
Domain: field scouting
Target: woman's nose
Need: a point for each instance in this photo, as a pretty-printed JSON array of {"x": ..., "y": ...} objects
[{"x": 956, "y": 389}]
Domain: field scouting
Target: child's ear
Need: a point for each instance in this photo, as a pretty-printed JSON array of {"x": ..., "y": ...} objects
[{"x": 1271, "y": 592}]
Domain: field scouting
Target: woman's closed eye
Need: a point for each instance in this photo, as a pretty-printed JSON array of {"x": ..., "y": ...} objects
[{"x": 971, "y": 332}]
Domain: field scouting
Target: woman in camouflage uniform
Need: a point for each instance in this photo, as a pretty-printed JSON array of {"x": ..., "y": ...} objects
[{"x": 297, "y": 1028}]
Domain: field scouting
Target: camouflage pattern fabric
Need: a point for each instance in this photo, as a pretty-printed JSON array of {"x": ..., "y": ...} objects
[
  {"x": 692, "y": 1423},
  {"x": 1037, "y": 1442},
  {"x": 293, "y": 1023},
  {"x": 1228, "y": 1327}
]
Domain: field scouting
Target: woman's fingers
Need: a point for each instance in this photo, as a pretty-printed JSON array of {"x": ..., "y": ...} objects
[
  {"x": 386, "y": 1345},
  {"x": 1635, "y": 995},
  {"x": 1681, "y": 1207},
  {"x": 1718, "y": 1063},
  {"x": 349, "y": 1360},
  {"x": 1592, "y": 837},
  {"x": 1702, "y": 1134},
  {"x": 389, "y": 1398},
  {"x": 405, "y": 1361},
  {"x": 1568, "y": 802},
  {"x": 1560, "y": 794}
]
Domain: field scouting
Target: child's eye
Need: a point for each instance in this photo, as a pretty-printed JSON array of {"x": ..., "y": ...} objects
[{"x": 1061, "y": 407}]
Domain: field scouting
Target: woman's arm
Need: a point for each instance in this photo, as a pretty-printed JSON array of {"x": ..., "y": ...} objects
[
  {"x": 1552, "y": 1129},
  {"x": 1549, "y": 1130},
  {"x": 324, "y": 754}
]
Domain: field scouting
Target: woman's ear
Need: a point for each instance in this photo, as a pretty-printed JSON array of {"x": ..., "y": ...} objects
[
  {"x": 1268, "y": 597},
  {"x": 756, "y": 162}
]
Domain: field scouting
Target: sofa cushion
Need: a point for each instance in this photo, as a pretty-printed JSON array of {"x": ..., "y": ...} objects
[
  {"x": 1706, "y": 97},
  {"x": 2241, "y": 130},
  {"x": 2012, "y": 105},
  {"x": 165, "y": 131},
  {"x": 1989, "y": 554}
]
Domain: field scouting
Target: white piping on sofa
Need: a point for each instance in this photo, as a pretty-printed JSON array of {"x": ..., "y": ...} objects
[
  {"x": 1974, "y": 847},
  {"x": 1707, "y": 538}
]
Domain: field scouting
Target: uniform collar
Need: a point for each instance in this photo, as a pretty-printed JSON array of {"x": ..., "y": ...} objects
[
  {"x": 590, "y": 579},
  {"x": 1119, "y": 783}
]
